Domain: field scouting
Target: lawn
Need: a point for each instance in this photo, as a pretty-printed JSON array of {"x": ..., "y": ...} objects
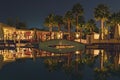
[{"x": 45, "y": 46}]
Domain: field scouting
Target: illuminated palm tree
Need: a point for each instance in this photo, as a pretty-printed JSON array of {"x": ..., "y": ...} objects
[
  {"x": 101, "y": 13},
  {"x": 50, "y": 23},
  {"x": 77, "y": 11},
  {"x": 81, "y": 25},
  {"x": 90, "y": 26},
  {"x": 59, "y": 22},
  {"x": 68, "y": 19},
  {"x": 115, "y": 22}
]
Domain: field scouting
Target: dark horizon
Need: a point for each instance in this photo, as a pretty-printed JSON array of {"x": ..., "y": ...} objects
[{"x": 34, "y": 12}]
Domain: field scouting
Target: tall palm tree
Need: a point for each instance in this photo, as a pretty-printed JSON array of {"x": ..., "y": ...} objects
[
  {"x": 68, "y": 19},
  {"x": 59, "y": 21},
  {"x": 81, "y": 25},
  {"x": 114, "y": 22},
  {"x": 50, "y": 22},
  {"x": 101, "y": 13},
  {"x": 77, "y": 11}
]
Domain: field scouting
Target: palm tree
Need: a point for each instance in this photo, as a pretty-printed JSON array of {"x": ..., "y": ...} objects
[
  {"x": 59, "y": 21},
  {"x": 68, "y": 19},
  {"x": 90, "y": 26},
  {"x": 101, "y": 13},
  {"x": 50, "y": 22},
  {"x": 114, "y": 22},
  {"x": 77, "y": 11},
  {"x": 81, "y": 25}
]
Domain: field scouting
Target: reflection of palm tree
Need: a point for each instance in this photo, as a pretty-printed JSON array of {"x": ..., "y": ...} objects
[
  {"x": 116, "y": 61},
  {"x": 100, "y": 74},
  {"x": 89, "y": 59},
  {"x": 1, "y": 61},
  {"x": 51, "y": 64},
  {"x": 101, "y": 60},
  {"x": 101, "y": 13}
]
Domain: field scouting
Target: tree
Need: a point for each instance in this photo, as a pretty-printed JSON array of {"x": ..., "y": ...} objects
[
  {"x": 68, "y": 19},
  {"x": 77, "y": 11},
  {"x": 114, "y": 22},
  {"x": 81, "y": 26},
  {"x": 101, "y": 13},
  {"x": 90, "y": 26},
  {"x": 59, "y": 22},
  {"x": 50, "y": 22}
]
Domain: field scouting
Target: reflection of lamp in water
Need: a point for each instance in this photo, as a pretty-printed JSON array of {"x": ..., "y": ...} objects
[
  {"x": 77, "y": 55},
  {"x": 77, "y": 35},
  {"x": 77, "y": 52}
]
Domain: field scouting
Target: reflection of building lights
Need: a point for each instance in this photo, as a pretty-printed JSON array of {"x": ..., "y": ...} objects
[
  {"x": 77, "y": 52},
  {"x": 52, "y": 54}
]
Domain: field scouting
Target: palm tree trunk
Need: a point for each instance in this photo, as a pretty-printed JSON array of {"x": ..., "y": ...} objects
[
  {"x": 69, "y": 29},
  {"x": 80, "y": 34},
  {"x": 116, "y": 32},
  {"x": 58, "y": 27},
  {"x": 77, "y": 23},
  {"x": 50, "y": 33},
  {"x": 102, "y": 31}
]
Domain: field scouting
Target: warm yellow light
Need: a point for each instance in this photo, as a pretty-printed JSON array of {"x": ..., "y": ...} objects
[
  {"x": 77, "y": 35},
  {"x": 77, "y": 52}
]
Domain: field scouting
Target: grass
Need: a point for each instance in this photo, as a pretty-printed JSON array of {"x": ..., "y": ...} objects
[{"x": 45, "y": 46}]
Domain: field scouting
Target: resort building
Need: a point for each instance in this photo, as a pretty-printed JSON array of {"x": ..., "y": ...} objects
[{"x": 11, "y": 33}]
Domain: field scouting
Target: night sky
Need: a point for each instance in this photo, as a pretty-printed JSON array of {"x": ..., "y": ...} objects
[{"x": 33, "y": 12}]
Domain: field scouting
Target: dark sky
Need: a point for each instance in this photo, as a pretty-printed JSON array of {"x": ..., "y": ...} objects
[{"x": 33, "y": 12}]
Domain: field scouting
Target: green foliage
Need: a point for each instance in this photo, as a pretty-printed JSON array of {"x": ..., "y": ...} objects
[
  {"x": 59, "y": 21},
  {"x": 51, "y": 64},
  {"x": 78, "y": 9},
  {"x": 50, "y": 21},
  {"x": 114, "y": 19},
  {"x": 101, "y": 74},
  {"x": 101, "y": 12},
  {"x": 90, "y": 26}
]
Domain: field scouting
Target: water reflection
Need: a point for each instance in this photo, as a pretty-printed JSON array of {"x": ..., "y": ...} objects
[{"x": 92, "y": 64}]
